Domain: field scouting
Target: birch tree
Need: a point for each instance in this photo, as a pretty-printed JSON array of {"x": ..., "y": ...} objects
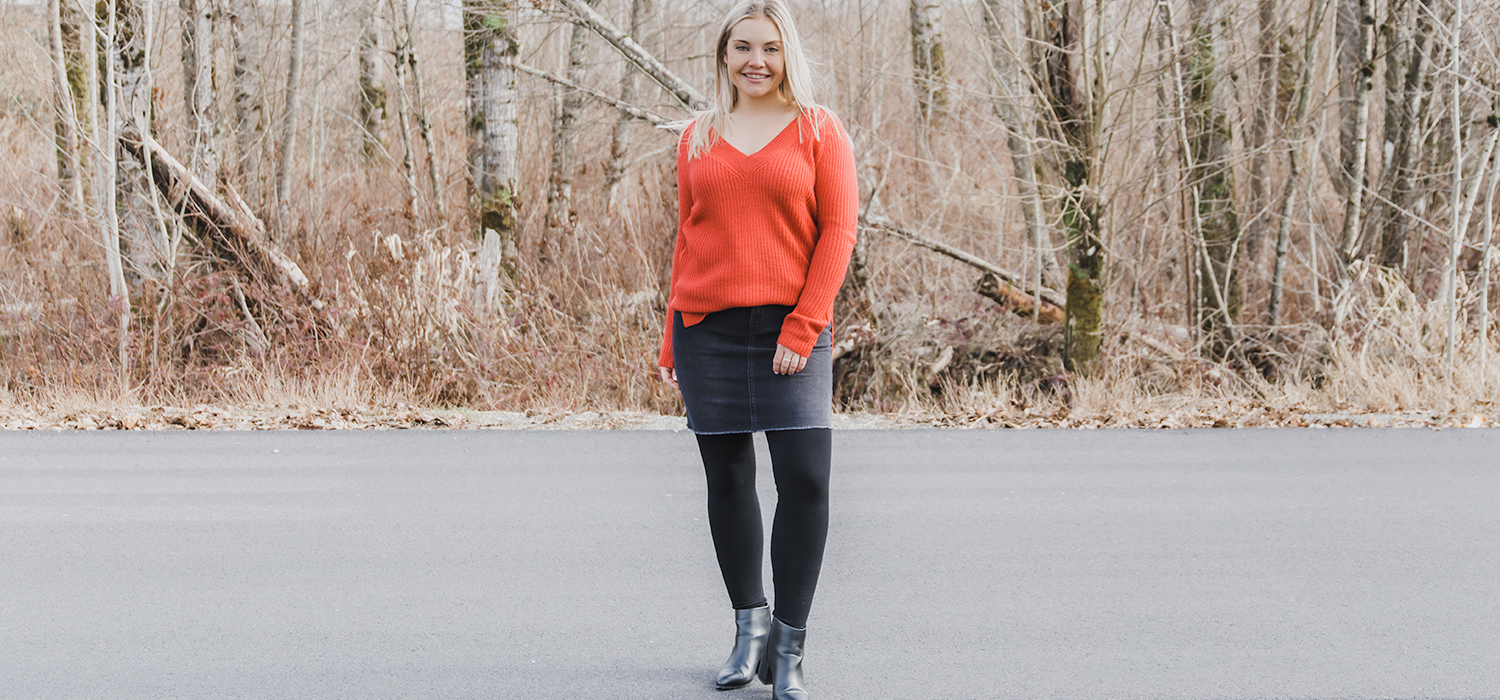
[
  {"x": 1408, "y": 34},
  {"x": 199, "y": 95},
  {"x": 69, "y": 134},
  {"x": 928, "y": 70},
  {"x": 249, "y": 105},
  {"x": 619, "y": 144},
  {"x": 491, "y": 45},
  {"x": 289, "y": 124},
  {"x": 371, "y": 92},
  {"x": 560, "y": 217}
]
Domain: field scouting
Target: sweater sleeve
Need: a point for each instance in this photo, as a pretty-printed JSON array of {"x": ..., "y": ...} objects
[
  {"x": 684, "y": 208},
  {"x": 836, "y": 195}
]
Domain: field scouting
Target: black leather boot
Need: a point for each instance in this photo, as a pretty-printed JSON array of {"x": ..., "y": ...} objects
[
  {"x": 752, "y": 626},
  {"x": 782, "y": 667}
]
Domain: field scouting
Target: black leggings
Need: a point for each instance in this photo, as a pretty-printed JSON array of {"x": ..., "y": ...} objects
[{"x": 800, "y": 460}]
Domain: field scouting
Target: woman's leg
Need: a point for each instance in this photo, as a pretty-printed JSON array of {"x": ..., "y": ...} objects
[
  {"x": 801, "y": 461},
  {"x": 734, "y": 515}
]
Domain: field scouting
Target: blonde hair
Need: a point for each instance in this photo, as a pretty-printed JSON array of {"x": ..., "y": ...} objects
[{"x": 796, "y": 77}]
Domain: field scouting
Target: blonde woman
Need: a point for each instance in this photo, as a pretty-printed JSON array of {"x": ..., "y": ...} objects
[{"x": 768, "y": 207}]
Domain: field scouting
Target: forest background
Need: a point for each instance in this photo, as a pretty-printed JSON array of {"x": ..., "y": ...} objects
[{"x": 1082, "y": 213}]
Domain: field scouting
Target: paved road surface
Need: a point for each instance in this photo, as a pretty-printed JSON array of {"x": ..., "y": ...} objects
[{"x": 962, "y": 564}]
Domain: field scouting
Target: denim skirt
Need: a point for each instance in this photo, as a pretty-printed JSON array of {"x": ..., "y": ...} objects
[{"x": 724, "y": 369}]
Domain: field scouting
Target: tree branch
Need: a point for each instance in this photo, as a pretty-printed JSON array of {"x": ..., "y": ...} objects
[
  {"x": 998, "y": 283},
  {"x": 588, "y": 17},
  {"x": 640, "y": 113}
]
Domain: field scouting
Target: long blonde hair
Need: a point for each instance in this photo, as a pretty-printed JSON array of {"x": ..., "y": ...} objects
[{"x": 796, "y": 78}]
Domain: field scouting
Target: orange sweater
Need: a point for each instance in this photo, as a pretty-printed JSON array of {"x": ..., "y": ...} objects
[{"x": 774, "y": 227}]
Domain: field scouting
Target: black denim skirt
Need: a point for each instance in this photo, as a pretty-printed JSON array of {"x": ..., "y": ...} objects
[{"x": 724, "y": 369}]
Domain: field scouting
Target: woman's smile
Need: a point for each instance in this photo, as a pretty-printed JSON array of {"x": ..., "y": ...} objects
[{"x": 754, "y": 58}]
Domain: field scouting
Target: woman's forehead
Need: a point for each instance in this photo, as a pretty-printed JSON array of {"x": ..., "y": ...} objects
[{"x": 755, "y": 30}]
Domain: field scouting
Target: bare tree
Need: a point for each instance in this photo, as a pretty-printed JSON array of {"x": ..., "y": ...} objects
[
  {"x": 619, "y": 144},
  {"x": 69, "y": 135},
  {"x": 407, "y": 68},
  {"x": 109, "y": 150},
  {"x": 1264, "y": 110},
  {"x": 1295, "y": 159},
  {"x": 1211, "y": 175},
  {"x": 371, "y": 98},
  {"x": 199, "y": 94},
  {"x": 1071, "y": 102},
  {"x": 249, "y": 106},
  {"x": 560, "y": 216},
  {"x": 491, "y": 45},
  {"x": 289, "y": 124},
  {"x": 928, "y": 70},
  {"x": 1358, "y": 77},
  {"x": 1009, "y": 99}
]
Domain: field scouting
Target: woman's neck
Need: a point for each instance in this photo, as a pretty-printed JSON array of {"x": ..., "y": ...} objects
[{"x": 767, "y": 105}]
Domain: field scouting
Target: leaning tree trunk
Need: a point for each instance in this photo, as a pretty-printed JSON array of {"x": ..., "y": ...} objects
[
  {"x": 614, "y": 169},
  {"x": 1070, "y": 99},
  {"x": 928, "y": 71},
  {"x": 491, "y": 45},
  {"x": 199, "y": 94},
  {"x": 1211, "y": 173},
  {"x": 371, "y": 98},
  {"x": 69, "y": 135},
  {"x": 249, "y": 107},
  {"x": 560, "y": 215},
  {"x": 289, "y": 125}
]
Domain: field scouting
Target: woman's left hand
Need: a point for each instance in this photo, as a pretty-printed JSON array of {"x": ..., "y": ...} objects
[{"x": 786, "y": 361}]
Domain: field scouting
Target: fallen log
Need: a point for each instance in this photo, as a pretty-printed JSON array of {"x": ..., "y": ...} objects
[
  {"x": 997, "y": 283},
  {"x": 242, "y": 234}
]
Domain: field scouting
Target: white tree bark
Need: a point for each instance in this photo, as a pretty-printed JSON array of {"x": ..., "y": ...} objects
[
  {"x": 372, "y": 108},
  {"x": 199, "y": 94},
  {"x": 249, "y": 106},
  {"x": 69, "y": 136},
  {"x": 614, "y": 169},
  {"x": 491, "y": 45},
  {"x": 560, "y": 217},
  {"x": 289, "y": 125}
]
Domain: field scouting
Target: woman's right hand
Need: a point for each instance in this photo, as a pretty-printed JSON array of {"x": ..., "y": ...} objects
[{"x": 668, "y": 375}]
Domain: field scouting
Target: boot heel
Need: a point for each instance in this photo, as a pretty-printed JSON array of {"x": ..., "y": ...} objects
[{"x": 782, "y": 669}]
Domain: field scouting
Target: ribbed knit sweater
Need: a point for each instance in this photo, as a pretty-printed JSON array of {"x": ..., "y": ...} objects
[{"x": 773, "y": 227}]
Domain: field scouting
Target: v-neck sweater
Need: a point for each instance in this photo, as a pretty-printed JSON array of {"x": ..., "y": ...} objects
[{"x": 773, "y": 227}]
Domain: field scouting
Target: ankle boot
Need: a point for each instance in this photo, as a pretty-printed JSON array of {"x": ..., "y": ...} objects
[
  {"x": 751, "y": 629},
  {"x": 782, "y": 666}
]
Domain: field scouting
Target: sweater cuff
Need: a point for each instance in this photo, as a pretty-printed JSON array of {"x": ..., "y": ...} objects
[
  {"x": 800, "y": 333},
  {"x": 665, "y": 358}
]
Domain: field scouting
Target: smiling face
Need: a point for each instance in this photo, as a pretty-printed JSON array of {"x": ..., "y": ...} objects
[{"x": 753, "y": 56}]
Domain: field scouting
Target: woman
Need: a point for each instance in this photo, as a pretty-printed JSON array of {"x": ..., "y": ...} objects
[{"x": 766, "y": 225}]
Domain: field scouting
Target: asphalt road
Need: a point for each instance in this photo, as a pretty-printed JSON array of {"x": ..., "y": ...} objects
[{"x": 961, "y": 564}]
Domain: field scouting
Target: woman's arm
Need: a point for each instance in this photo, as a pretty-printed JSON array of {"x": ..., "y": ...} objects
[
  {"x": 684, "y": 208},
  {"x": 836, "y": 193}
]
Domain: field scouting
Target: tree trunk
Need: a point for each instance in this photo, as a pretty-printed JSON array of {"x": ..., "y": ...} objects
[
  {"x": 1408, "y": 102},
  {"x": 142, "y": 229},
  {"x": 289, "y": 126},
  {"x": 1295, "y": 131},
  {"x": 119, "y": 293},
  {"x": 1211, "y": 173},
  {"x": 491, "y": 45},
  {"x": 403, "y": 105},
  {"x": 198, "y": 90},
  {"x": 371, "y": 101},
  {"x": 69, "y": 135},
  {"x": 249, "y": 106},
  {"x": 1485, "y": 265},
  {"x": 614, "y": 169},
  {"x": 560, "y": 217},
  {"x": 928, "y": 70},
  {"x": 1360, "y": 76},
  {"x": 677, "y": 87},
  {"x": 1263, "y": 111},
  {"x": 1006, "y": 72},
  {"x": 1057, "y": 31}
]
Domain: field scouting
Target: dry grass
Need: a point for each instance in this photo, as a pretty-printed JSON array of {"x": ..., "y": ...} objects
[{"x": 399, "y": 344}]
